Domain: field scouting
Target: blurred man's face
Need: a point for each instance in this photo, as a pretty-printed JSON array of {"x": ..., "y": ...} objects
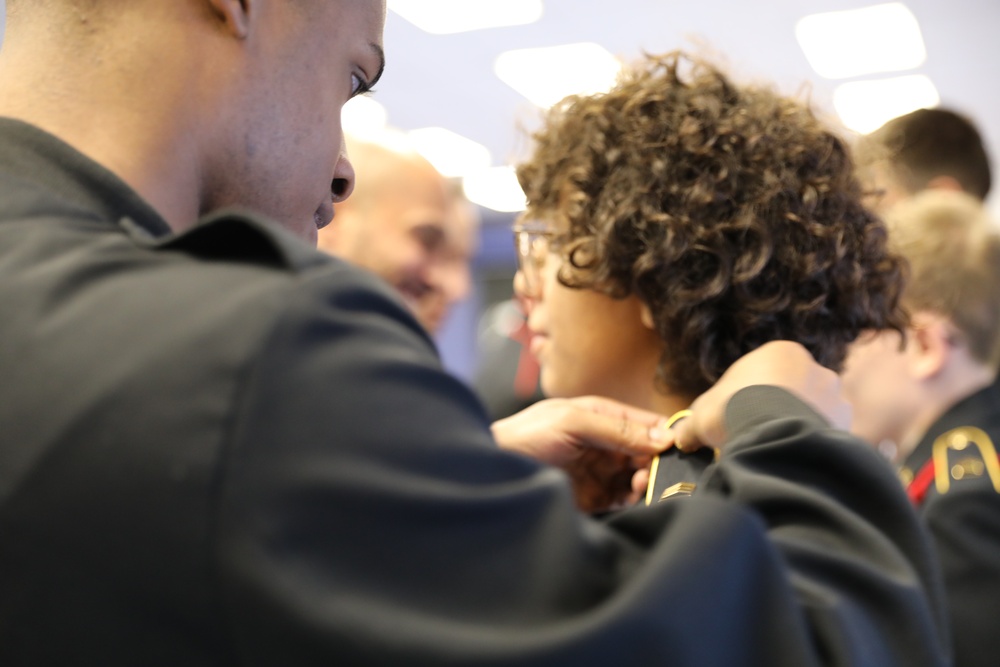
[
  {"x": 414, "y": 234},
  {"x": 448, "y": 254}
]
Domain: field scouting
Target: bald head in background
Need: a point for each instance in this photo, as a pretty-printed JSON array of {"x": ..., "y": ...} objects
[{"x": 408, "y": 224}]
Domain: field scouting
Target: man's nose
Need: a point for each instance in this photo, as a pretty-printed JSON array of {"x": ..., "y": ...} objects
[{"x": 343, "y": 178}]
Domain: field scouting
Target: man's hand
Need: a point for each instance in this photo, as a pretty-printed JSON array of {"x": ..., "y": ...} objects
[
  {"x": 781, "y": 364},
  {"x": 598, "y": 442}
]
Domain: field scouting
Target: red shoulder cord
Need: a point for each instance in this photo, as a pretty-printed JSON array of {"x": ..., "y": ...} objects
[{"x": 916, "y": 490}]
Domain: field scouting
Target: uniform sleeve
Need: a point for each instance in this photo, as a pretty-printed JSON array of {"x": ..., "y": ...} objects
[
  {"x": 965, "y": 526},
  {"x": 365, "y": 516}
]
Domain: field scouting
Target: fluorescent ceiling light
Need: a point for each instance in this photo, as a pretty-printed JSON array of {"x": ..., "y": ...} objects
[
  {"x": 450, "y": 153},
  {"x": 363, "y": 117},
  {"x": 546, "y": 75},
  {"x": 880, "y": 38},
  {"x": 864, "y": 106},
  {"x": 442, "y": 17},
  {"x": 496, "y": 188}
]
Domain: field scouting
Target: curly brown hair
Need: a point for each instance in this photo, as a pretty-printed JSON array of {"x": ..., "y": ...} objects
[{"x": 731, "y": 211}]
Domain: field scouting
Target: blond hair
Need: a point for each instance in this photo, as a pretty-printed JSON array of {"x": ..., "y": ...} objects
[{"x": 953, "y": 248}]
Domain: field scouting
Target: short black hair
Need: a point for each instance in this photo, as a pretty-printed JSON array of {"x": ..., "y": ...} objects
[{"x": 927, "y": 143}]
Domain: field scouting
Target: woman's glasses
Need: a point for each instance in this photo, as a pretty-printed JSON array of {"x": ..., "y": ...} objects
[{"x": 532, "y": 242}]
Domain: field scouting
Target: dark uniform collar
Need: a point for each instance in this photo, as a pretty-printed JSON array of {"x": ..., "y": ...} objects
[
  {"x": 53, "y": 177},
  {"x": 981, "y": 409},
  {"x": 975, "y": 421},
  {"x": 33, "y": 156}
]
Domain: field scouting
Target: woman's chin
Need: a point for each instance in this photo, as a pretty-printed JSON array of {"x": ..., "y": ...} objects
[{"x": 555, "y": 386}]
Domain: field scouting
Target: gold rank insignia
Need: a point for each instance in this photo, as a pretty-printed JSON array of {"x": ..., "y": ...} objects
[
  {"x": 966, "y": 452},
  {"x": 678, "y": 489}
]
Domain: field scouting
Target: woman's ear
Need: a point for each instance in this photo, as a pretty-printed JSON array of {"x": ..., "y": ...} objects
[{"x": 234, "y": 15}]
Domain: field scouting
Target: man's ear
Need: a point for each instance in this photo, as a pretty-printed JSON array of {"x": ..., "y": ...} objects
[
  {"x": 234, "y": 15},
  {"x": 945, "y": 183},
  {"x": 930, "y": 344}
]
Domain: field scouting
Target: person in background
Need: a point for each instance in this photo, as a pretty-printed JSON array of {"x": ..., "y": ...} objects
[
  {"x": 506, "y": 377},
  {"x": 408, "y": 224},
  {"x": 924, "y": 149},
  {"x": 930, "y": 394},
  {"x": 681, "y": 220},
  {"x": 220, "y": 446}
]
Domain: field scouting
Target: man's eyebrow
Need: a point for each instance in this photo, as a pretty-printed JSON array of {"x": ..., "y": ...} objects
[{"x": 381, "y": 63}]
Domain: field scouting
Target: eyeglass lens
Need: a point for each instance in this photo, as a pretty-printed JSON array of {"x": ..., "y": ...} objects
[{"x": 532, "y": 248}]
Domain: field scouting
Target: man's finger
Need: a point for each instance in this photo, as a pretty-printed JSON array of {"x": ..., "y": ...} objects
[
  {"x": 621, "y": 434},
  {"x": 685, "y": 435},
  {"x": 640, "y": 480},
  {"x": 610, "y": 407}
]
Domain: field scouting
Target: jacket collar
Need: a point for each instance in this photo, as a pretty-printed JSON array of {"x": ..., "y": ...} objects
[
  {"x": 33, "y": 157},
  {"x": 981, "y": 409}
]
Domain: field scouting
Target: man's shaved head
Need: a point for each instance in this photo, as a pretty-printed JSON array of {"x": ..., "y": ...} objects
[{"x": 200, "y": 105}]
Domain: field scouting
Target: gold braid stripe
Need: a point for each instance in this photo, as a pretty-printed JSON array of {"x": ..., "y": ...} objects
[{"x": 674, "y": 418}]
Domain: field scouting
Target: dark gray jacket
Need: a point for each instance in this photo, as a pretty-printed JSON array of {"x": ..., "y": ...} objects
[{"x": 223, "y": 448}]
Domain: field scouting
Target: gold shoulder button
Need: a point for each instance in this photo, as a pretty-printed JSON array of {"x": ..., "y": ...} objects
[
  {"x": 968, "y": 468},
  {"x": 983, "y": 459}
]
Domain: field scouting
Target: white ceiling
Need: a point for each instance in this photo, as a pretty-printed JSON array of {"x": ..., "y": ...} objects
[{"x": 448, "y": 80}]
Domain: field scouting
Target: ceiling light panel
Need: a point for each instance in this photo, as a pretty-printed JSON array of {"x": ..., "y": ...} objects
[
  {"x": 450, "y": 153},
  {"x": 363, "y": 117},
  {"x": 864, "y": 106},
  {"x": 495, "y": 188},
  {"x": 443, "y": 17},
  {"x": 547, "y": 75},
  {"x": 880, "y": 38}
]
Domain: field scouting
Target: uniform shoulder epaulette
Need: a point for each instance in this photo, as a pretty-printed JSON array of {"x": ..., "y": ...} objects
[
  {"x": 962, "y": 453},
  {"x": 676, "y": 473}
]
